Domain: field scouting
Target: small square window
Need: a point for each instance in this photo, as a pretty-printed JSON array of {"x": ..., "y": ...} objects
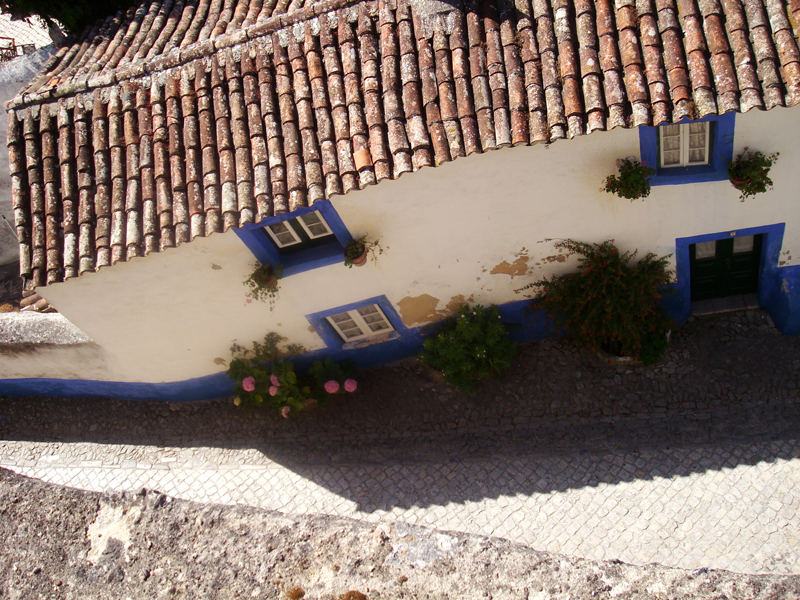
[
  {"x": 360, "y": 323},
  {"x": 685, "y": 144},
  {"x": 306, "y": 231},
  {"x": 690, "y": 151}
]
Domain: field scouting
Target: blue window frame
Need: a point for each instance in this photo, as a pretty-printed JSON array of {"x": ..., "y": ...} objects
[
  {"x": 333, "y": 339},
  {"x": 266, "y": 250},
  {"x": 720, "y": 153}
]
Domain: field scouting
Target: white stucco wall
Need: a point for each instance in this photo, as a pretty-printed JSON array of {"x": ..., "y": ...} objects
[{"x": 173, "y": 315}]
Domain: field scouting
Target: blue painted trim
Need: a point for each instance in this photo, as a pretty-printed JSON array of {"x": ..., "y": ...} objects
[
  {"x": 778, "y": 287},
  {"x": 721, "y": 153},
  {"x": 200, "y": 388},
  {"x": 332, "y": 339},
  {"x": 779, "y": 292},
  {"x": 258, "y": 242}
]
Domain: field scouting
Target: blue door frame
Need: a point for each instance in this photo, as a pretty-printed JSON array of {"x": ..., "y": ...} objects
[{"x": 778, "y": 287}]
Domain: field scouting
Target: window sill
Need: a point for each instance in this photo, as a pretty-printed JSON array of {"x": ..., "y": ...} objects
[
  {"x": 681, "y": 175},
  {"x": 313, "y": 258},
  {"x": 375, "y": 339}
]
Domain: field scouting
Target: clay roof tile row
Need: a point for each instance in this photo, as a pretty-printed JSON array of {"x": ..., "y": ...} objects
[{"x": 181, "y": 118}]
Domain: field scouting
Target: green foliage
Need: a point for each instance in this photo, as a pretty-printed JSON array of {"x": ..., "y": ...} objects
[
  {"x": 611, "y": 302},
  {"x": 633, "y": 181},
  {"x": 73, "y": 15},
  {"x": 355, "y": 248},
  {"x": 749, "y": 172},
  {"x": 277, "y": 385},
  {"x": 267, "y": 350},
  {"x": 469, "y": 347},
  {"x": 263, "y": 282}
]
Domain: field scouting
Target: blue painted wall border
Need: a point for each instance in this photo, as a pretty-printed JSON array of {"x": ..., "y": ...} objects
[
  {"x": 721, "y": 153},
  {"x": 528, "y": 325},
  {"x": 257, "y": 241},
  {"x": 778, "y": 287},
  {"x": 779, "y": 293}
]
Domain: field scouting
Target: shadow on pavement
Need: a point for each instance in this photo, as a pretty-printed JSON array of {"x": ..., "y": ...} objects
[{"x": 727, "y": 380}]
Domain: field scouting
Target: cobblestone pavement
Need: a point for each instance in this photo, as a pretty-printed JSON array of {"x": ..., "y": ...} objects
[{"x": 692, "y": 463}]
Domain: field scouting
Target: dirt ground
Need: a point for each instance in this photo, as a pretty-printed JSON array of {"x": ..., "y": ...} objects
[{"x": 64, "y": 543}]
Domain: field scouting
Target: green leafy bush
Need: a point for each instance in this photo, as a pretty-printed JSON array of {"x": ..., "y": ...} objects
[
  {"x": 610, "y": 302},
  {"x": 633, "y": 181},
  {"x": 749, "y": 172},
  {"x": 278, "y": 385},
  {"x": 469, "y": 347}
]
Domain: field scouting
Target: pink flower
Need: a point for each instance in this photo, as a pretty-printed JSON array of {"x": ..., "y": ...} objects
[
  {"x": 331, "y": 386},
  {"x": 274, "y": 379},
  {"x": 249, "y": 383},
  {"x": 351, "y": 385},
  {"x": 273, "y": 390},
  {"x": 285, "y": 412}
]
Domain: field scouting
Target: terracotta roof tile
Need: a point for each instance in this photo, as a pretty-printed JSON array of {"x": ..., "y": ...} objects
[{"x": 180, "y": 118}]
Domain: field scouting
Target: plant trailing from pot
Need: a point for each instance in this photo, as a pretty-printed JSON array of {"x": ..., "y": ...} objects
[
  {"x": 610, "y": 302},
  {"x": 633, "y": 181},
  {"x": 749, "y": 172},
  {"x": 263, "y": 282},
  {"x": 357, "y": 251},
  {"x": 470, "y": 346}
]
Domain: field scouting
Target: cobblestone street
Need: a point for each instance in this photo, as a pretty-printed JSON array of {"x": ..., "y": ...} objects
[{"x": 694, "y": 462}]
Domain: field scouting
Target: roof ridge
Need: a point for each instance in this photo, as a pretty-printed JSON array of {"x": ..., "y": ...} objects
[{"x": 52, "y": 85}]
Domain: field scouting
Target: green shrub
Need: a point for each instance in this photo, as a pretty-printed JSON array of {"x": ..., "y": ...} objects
[
  {"x": 610, "y": 302},
  {"x": 263, "y": 378},
  {"x": 469, "y": 347},
  {"x": 633, "y": 181}
]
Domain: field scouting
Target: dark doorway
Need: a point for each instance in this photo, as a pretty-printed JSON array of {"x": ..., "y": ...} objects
[{"x": 727, "y": 267}]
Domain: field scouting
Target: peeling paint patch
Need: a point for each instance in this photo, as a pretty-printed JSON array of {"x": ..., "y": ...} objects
[
  {"x": 219, "y": 361},
  {"x": 555, "y": 258},
  {"x": 516, "y": 269},
  {"x": 454, "y": 304},
  {"x": 419, "y": 309},
  {"x": 216, "y": 267}
]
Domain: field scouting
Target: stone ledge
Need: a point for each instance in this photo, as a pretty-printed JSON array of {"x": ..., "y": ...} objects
[{"x": 39, "y": 328}]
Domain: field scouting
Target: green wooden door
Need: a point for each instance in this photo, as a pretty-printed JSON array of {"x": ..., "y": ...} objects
[{"x": 726, "y": 267}]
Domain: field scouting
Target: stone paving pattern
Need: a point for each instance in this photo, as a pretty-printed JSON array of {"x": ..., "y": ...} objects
[{"x": 694, "y": 462}]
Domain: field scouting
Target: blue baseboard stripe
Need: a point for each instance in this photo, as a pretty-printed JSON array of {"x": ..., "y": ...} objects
[{"x": 781, "y": 297}]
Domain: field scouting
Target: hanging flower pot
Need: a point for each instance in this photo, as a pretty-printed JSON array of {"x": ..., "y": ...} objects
[
  {"x": 749, "y": 172},
  {"x": 263, "y": 282},
  {"x": 356, "y": 251},
  {"x": 633, "y": 181}
]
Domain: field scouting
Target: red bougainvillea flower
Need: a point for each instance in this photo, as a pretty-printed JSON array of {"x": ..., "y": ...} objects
[
  {"x": 331, "y": 386},
  {"x": 274, "y": 380},
  {"x": 351, "y": 385},
  {"x": 285, "y": 412},
  {"x": 249, "y": 384},
  {"x": 273, "y": 390}
]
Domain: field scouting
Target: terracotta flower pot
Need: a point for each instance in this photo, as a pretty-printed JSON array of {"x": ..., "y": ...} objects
[
  {"x": 361, "y": 260},
  {"x": 737, "y": 183}
]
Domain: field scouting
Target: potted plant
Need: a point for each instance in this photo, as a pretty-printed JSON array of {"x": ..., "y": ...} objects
[
  {"x": 263, "y": 282},
  {"x": 749, "y": 172},
  {"x": 610, "y": 303},
  {"x": 633, "y": 181},
  {"x": 357, "y": 251}
]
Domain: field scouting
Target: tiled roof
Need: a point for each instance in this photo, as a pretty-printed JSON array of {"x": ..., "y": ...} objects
[{"x": 181, "y": 119}]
